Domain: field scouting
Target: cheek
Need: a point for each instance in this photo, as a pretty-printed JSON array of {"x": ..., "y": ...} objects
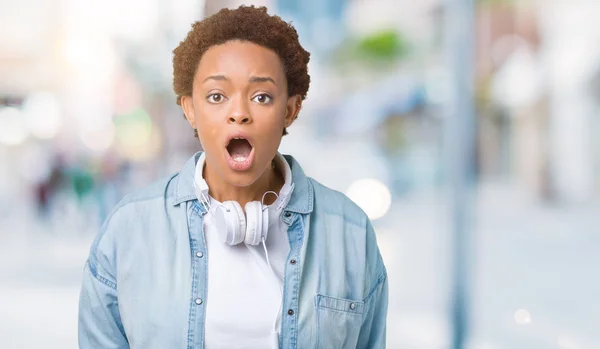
[
  {"x": 207, "y": 115},
  {"x": 209, "y": 120},
  {"x": 273, "y": 118},
  {"x": 273, "y": 128},
  {"x": 273, "y": 132},
  {"x": 207, "y": 133}
]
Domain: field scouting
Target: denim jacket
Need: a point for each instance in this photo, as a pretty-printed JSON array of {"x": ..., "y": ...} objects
[{"x": 145, "y": 281}]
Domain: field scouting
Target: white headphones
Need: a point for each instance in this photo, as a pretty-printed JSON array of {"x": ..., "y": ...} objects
[{"x": 251, "y": 227}]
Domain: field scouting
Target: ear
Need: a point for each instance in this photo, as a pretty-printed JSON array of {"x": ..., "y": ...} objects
[
  {"x": 187, "y": 104},
  {"x": 294, "y": 104}
]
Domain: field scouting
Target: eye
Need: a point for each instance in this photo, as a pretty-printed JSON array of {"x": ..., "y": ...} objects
[
  {"x": 215, "y": 98},
  {"x": 262, "y": 98}
]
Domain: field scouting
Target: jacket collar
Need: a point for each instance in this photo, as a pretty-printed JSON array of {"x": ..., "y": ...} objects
[{"x": 301, "y": 200}]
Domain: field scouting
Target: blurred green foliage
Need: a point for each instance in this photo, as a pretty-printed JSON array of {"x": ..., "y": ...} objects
[
  {"x": 383, "y": 45},
  {"x": 377, "y": 50}
]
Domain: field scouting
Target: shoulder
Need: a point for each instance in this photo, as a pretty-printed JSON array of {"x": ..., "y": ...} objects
[
  {"x": 156, "y": 195},
  {"x": 333, "y": 202},
  {"x": 162, "y": 189},
  {"x": 125, "y": 217}
]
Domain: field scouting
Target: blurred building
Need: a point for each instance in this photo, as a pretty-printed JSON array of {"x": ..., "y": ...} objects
[{"x": 537, "y": 120}]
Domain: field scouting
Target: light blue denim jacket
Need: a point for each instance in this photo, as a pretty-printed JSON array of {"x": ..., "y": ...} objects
[{"x": 144, "y": 283}]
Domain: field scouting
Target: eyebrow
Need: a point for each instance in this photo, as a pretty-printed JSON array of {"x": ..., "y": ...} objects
[
  {"x": 216, "y": 77},
  {"x": 253, "y": 79},
  {"x": 258, "y": 79}
]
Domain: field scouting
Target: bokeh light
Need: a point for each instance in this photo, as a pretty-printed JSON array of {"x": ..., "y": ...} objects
[
  {"x": 42, "y": 114},
  {"x": 522, "y": 317},
  {"x": 372, "y": 196},
  {"x": 134, "y": 133},
  {"x": 13, "y": 130},
  {"x": 99, "y": 138}
]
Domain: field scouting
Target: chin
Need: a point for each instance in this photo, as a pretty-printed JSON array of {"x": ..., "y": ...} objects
[{"x": 241, "y": 179}]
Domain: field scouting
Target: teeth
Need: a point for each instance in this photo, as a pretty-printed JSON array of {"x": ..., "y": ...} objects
[{"x": 239, "y": 158}]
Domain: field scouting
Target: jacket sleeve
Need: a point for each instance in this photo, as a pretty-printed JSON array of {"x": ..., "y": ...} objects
[
  {"x": 373, "y": 330},
  {"x": 100, "y": 324}
]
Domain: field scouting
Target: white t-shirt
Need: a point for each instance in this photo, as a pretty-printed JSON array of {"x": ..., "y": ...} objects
[{"x": 244, "y": 295}]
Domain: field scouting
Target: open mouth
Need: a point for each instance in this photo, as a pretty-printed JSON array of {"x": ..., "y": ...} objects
[
  {"x": 239, "y": 149},
  {"x": 240, "y": 152}
]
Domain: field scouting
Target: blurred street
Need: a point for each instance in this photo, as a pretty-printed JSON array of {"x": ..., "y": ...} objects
[{"x": 88, "y": 114}]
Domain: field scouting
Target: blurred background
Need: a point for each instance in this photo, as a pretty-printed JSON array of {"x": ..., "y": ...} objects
[{"x": 87, "y": 114}]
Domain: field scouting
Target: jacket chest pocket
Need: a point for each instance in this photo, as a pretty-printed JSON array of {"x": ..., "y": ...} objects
[{"x": 338, "y": 322}]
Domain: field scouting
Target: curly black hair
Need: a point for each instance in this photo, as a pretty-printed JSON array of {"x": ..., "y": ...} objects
[{"x": 246, "y": 23}]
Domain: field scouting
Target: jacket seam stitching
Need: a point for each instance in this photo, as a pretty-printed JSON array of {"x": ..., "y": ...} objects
[
  {"x": 340, "y": 311},
  {"x": 380, "y": 279},
  {"x": 94, "y": 272}
]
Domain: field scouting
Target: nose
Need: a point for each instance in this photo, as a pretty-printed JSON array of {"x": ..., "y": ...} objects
[
  {"x": 239, "y": 114},
  {"x": 239, "y": 119}
]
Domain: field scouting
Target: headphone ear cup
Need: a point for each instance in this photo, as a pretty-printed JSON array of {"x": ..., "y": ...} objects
[
  {"x": 254, "y": 223},
  {"x": 235, "y": 223}
]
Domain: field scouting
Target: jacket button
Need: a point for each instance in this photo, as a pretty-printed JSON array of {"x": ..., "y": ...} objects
[
  {"x": 288, "y": 215},
  {"x": 293, "y": 261},
  {"x": 198, "y": 301},
  {"x": 199, "y": 254},
  {"x": 290, "y": 312}
]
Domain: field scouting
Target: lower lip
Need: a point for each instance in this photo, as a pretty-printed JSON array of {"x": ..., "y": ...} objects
[{"x": 240, "y": 166}]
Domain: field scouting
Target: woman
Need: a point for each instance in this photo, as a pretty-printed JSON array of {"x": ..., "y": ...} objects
[{"x": 240, "y": 249}]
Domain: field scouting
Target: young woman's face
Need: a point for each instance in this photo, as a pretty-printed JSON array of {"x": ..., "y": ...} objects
[{"x": 240, "y": 107}]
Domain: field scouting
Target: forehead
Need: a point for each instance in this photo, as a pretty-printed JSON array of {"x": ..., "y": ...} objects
[{"x": 240, "y": 59}]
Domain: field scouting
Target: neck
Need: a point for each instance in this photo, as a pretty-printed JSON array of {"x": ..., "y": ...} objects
[{"x": 220, "y": 190}]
